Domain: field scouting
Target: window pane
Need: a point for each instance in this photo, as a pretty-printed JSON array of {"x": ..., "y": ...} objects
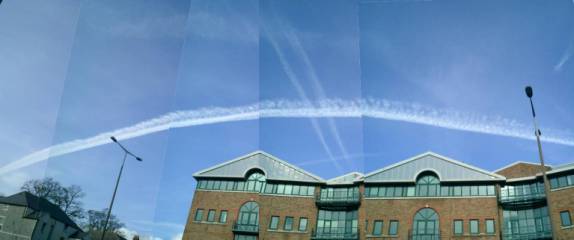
[
  {"x": 565, "y": 218},
  {"x": 274, "y": 222},
  {"x": 458, "y": 227},
  {"x": 378, "y": 228},
  {"x": 482, "y": 190},
  {"x": 490, "y": 190},
  {"x": 280, "y": 189},
  {"x": 211, "y": 215},
  {"x": 288, "y": 224},
  {"x": 198, "y": 214},
  {"x": 473, "y": 226},
  {"x": 288, "y": 189},
  {"x": 490, "y": 226},
  {"x": 223, "y": 216},
  {"x": 554, "y": 183},
  {"x": 374, "y": 192},
  {"x": 303, "y": 224},
  {"x": 296, "y": 190},
  {"x": 393, "y": 227},
  {"x": 457, "y": 191},
  {"x": 466, "y": 190},
  {"x": 411, "y": 191}
]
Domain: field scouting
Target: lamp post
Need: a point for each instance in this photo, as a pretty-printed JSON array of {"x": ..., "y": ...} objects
[
  {"x": 126, "y": 153},
  {"x": 537, "y": 132}
]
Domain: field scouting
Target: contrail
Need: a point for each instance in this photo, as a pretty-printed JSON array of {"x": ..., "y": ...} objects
[{"x": 329, "y": 108}]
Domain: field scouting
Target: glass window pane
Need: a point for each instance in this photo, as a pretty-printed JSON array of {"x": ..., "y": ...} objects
[
  {"x": 223, "y": 216},
  {"x": 458, "y": 227},
  {"x": 490, "y": 190},
  {"x": 482, "y": 190},
  {"x": 473, "y": 226},
  {"x": 466, "y": 190},
  {"x": 288, "y": 224},
  {"x": 303, "y": 224},
  {"x": 393, "y": 227},
  {"x": 198, "y": 215},
  {"x": 554, "y": 182},
  {"x": 274, "y": 222},
  {"x": 374, "y": 192},
  {"x": 378, "y": 228},
  {"x": 288, "y": 189},
  {"x": 296, "y": 189},
  {"x": 211, "y": 215},
  {"x": 489, "y": 226},
  {"x": 457, "y": 190},
  {"x": 565, "y": 218}
]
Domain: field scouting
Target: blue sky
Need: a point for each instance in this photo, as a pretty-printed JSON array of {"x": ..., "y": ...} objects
[{"x": 75, "y": 69}]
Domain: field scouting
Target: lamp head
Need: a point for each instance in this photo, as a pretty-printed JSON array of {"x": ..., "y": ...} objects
[
  {"x": 528, "y": 91},
  {"x": 139, "y": 159},
  {"x": 113, "y": 139}
]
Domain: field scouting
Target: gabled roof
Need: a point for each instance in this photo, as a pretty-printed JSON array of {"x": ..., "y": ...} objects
[
  {"x": 447, "y": 170},
  {"x": 26, "y": 199},
  {"x": 517, "y": 163},
  {"x": 273, "y": 167},
  {"x": 349, "y": 178}
]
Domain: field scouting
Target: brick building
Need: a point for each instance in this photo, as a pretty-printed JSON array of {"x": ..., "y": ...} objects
[{"x": 427, "y": 197}]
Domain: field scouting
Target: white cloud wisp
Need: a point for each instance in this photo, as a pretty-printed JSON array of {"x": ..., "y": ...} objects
[{"x": 334, "y": 108}]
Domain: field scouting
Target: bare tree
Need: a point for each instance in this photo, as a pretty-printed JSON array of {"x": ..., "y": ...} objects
[
  {"x": 96, "y": 220},
  {"x": 67, "y": 198}
]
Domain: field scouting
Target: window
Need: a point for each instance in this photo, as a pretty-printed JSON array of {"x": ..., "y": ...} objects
[
  {"x": 427, "y": 185},
  {"x": 223, "y": 216},
  {"x": 426, "y": 224},
  {"x": 490, "y": 226},
  {"x": 273, "y": 225},
  {"x": 249, "y": 214},
  {"x": 340, "y": 222},
  {"x": 565, "y": 218},
  {"x": 393, "y": 227},
  {"x": 255, "y": 182},
  {"x": 288, "y": 226},
  {"x": 378, "y": 227},
  {"x": 211, "y": 215},
  {"x": 457, "y": 227},
  {"x": 198, "y": 215},
  {"x": 303, "y": 224},
  {"x": 473, "y": 226}
]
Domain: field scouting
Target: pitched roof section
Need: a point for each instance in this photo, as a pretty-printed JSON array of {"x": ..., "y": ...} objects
[
  {"x": 447, "y": 169},
  {"x": 349, "y": 178},
  {"x": 26, "y": 199},
  {"x": 521, "y": 170},
  {"x": 273, "y": 167}
]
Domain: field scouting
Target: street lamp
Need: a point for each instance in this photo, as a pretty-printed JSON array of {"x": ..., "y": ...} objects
[
  {"x": 537, "y": 132},
  {"x": 126, "y": 153}
]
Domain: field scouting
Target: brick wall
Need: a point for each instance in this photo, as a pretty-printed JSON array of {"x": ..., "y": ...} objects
[
  {"x": 562, "y": 200},
  {"x": 521, "y": 170}
]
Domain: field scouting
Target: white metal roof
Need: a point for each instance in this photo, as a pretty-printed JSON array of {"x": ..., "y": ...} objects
[
  {"x": 447, "y": 170},
  {"x": 273, "y": 167}
]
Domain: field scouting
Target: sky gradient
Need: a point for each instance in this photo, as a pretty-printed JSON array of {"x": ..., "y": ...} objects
[{"x": 75, "y": 69}]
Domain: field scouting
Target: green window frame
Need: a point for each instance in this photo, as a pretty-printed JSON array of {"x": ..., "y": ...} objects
[
  {"x": 490, "y": 227},
  {"x": 393, "y": 227},
  {"x": 288, "y": 224},
  {"x": 565, "y": 220},
  {"x": 473, "y": 226},
  {"x": 377, "y": 227},
  {"x": 274, "y": 223},
  {"x": 198, "y": 214},
  {"x": 303, "y": 224},
  {"x": 211, "y": 215},
  {"x": 458, "y": 227}
]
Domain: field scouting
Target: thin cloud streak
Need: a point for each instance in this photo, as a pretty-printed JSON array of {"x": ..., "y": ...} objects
[
  {"x": 300, "y": 50},
  {"x": 329, "y": 108},
  {"x": 301, "y": 92}
]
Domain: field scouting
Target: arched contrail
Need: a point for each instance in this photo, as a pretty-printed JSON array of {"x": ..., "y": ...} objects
[{"x": 369, "y": 108}]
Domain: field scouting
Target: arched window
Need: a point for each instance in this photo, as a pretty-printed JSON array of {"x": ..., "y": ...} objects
[
  {"x": 428, "y": 185},
  {"x": 249, "y": 214},
  {"x": 426, "y": 225},
  {"x": 255, "y": 182}
]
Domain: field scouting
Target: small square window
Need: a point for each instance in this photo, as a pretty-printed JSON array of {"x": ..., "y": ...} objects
[
  {"x": 565, "y": 218},
  {"x": 377, "y": 227},
  {"x": 288, "y": 224}
]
